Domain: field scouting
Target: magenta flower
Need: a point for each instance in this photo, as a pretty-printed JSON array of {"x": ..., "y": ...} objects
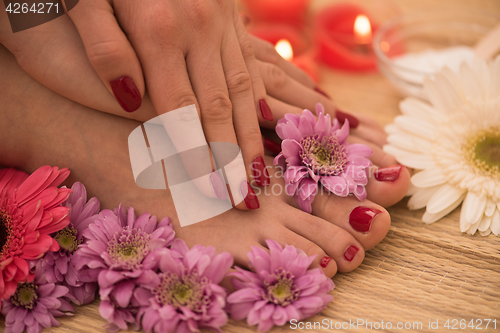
[
  {"x": 121, "y": 250},
  {"x": 30, "y": 210},
  {"x": 35, "y": 305},
  {"x": 315, "y": 151},
  {"x": 281, "y": 289},
  {"x": 185, "y": 295},
  {"x": 59, "y": 266}
]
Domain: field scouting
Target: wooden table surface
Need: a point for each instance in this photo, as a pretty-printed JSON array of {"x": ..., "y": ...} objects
[{"x": 419, "y": 273}]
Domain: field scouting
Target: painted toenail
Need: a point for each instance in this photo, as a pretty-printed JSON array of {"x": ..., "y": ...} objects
[
  {"x": 350, "y": 252},
  {"x": 361, "y": 218},
  {"x": 324, "y": 261},
  {"x": 250, "y": 199},
  {"x": 389, "y": 174}
]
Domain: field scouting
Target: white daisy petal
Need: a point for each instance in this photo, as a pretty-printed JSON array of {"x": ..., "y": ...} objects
[
  {"x": 421, "y": 197},
  {"x": 445, "y": 196},
  {"x": 490, "y": 208},
  {"x": 434, "y": 217},
  {"x": 464, "y": 226},
  {"x": 416, "y": 126},
  {"x": 428, "y": 178},
  {"x": 445, "y": 90},
  {"x": 453, "y": 79},
  {"x": 485, "y": 223},
  {"x": 394, "y": 129},
  {"x": 418, "y": 109},
  {"x": 473, "y": 207},
  {"x": 495, "y": 77},
  {"x": 469, "y": 83},
  {"x": 473, "y": 228},
  {"x": 481, "y": 71},
  {"x": 411, "y": 190},
  {"x": 485, "y": 233},
  {"x": 495, "y": 223},
  {"x": 412, "y": 160}
]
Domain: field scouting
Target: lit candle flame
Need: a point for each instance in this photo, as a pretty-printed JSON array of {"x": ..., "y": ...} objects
[
  {"x": 362, "y": 29},
  {"x": 284, "y": 49}
]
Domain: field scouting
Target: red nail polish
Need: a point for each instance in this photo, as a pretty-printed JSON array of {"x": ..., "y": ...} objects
[
  {"x": 250, "y": 198},
  {"x": 388, "y": 174},
  {"x": 350, "y": 252},
  {"x": 126, "y": 93},
  {"x": 318, "y": 89},
  {"x": 260, "y": 174},
  {"x": 342, "y": 116},
  {"x": 272, "y": 146},
  {"x": 324, "y": 261},
  {"x": 265, "y": 110},
  {"x": 361, "y": 218}
]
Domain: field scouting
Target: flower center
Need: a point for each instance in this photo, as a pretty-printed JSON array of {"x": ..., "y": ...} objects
[
  {"x": 327, "y": 157},
  {"x": 128, "y": 248},
  {"x": 182, "y": 291},
  {"x": 483, "y": 151},
  {"x": 5, "y": 232},
  {"x": 25, "y": 295},
  {"x": 67, "y": 239},
  {"x": 283, "y": 291}
]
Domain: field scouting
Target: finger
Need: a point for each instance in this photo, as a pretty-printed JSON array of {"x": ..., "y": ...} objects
[
  {"x": 265, "y": 51},
  {"x": 370, "y": 134},
  {"x": 283, "y": 87},
  {"x": 110, "y": 52},
  {"x": 259, "y": 91},
  {"x": 246, "y": 121},
  {"x": 209, "y": 84}
]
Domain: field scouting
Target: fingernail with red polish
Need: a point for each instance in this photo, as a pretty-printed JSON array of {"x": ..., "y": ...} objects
[
  {"x": 126, "y": 93},
  {"x": 265, "y": 110},
  {"x": 342, "y": 116},
  {"x": 249, "y": 196},
  {"x": 260, "y": 174},
  {"x": 218, "y": 186},
  {"x": 388, "y": 174},
  {"x": 318, "y": 89},
  {"x": 324, "y": 261},
  {"x": 361, "y": 218},
  {"x": 272, "y": 146},
  {"x": 350, "y": 252}
]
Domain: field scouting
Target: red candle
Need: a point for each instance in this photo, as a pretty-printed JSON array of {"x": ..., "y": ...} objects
[
  {"x": 290, "y": 44},
  {"x": 343, "y": 35},
  {"x": 279, "y": 11}
]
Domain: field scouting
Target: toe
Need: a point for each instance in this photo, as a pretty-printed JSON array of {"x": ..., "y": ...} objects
[
  {"x": 315, "y": 235},
  {"x": 388, "y": 185},
  {"x": 364, "y": 220}
]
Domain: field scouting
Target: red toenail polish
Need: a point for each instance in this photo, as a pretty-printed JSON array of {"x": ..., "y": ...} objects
[
  {"x": 126, "y": 93},
  {"x": 319, "y": 90},
  {"x": 260, "y": 174},
  {"x": 350, "y": 252},
  {"x": 342, "y": 116},
  {"x": 361, "y": 218},
  {"x": 272, "y": 146},
  {"x": 265, "y": 110},
  {"x": 389, "y": 174},
  {"x": 324, "y": 261},
  {"x": 249, "y": 196}
]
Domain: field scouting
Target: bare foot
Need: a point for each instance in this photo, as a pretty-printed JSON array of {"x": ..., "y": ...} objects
[{"x": 45, "y": 128}]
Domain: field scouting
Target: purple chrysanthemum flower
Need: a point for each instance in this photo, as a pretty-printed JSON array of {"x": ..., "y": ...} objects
[
  {"x": 281, "y": 289},
  {"x": 121, "y": 250},
  {"x": 35, "y": 305},
  {"x": 185, "y": 295},
  {"x": 59, "y": 266},
  {"x": 317, "y": 150}
]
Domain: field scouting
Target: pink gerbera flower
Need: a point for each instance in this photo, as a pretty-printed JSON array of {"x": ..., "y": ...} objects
[
  {"x": 59, "y": 266},
  {"x": 317, "y": 151},
  {"x": 281, "y": 289},
  {"x": 29, "y": 212},
  {"x": 121, "y": 250},
  {"x": 185, "y": 296},
  {"x": 35, "y": 305}
]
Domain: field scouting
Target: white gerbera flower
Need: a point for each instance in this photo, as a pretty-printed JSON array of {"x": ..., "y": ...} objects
[{"x": 454, "y": 144}]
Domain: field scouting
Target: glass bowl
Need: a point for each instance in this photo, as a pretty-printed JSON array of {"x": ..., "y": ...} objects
[{"x": 426, "y": 31}]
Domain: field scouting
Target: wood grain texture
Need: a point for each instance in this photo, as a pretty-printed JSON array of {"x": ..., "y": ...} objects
[{"x": 418, "y": 272}]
